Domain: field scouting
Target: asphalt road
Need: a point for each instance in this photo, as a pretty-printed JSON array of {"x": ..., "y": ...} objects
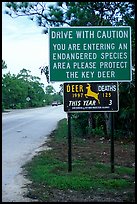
[{"x": 23, "y": 133}]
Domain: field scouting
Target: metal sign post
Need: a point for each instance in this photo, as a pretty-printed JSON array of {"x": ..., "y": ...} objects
[
  {"x": 69, "y": 144},
  {"x": 112, "y": 143}
]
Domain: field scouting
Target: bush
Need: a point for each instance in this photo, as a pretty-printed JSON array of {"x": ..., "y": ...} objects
[
  {"x": 97, "y": 131},
  {"x": 79, "y": 124}
]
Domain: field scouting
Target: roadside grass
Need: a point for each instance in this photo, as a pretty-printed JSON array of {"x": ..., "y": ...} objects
[
  {"x": 54, "y": 173},
  {"x": 49, "y": 170}
]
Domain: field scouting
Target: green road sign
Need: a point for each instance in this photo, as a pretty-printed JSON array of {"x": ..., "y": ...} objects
[
  {"x": 91, "y": 97},
  {"x": 90, "y": 54}
]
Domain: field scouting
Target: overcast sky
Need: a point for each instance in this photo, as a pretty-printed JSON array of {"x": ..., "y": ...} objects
[{"x": 24, "y": 46}]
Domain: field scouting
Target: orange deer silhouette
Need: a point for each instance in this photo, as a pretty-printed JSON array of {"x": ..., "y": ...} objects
[{"x": 91, "y": 93}]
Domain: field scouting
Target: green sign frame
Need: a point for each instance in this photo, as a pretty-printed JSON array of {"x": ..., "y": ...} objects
[{"x": 90, "y": 54}]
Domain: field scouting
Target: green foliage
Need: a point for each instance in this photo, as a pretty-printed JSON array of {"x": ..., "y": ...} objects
[
  {"x": 71, "y": 13},
  {"x": 50, "y": 89},
  {"x": 97, "y": 131},
  {"x": 48, "y": 169},
  {"x": 126, "y": 114},
  {"x": 16, "y": 89},
  {"x": 61, "y": 131},
  {"x": 81, "y": 128},
  {"x": 54, "y": 173},
  {"x": 79, "y": 124}
]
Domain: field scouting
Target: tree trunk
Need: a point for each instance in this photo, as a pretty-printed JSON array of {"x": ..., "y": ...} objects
[
  {"x": 90, "y": 123},
  {"x": 108, "y": 123}
]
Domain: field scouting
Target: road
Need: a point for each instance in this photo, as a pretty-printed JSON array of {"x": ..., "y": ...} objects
[{"x": 23, "y": 132}]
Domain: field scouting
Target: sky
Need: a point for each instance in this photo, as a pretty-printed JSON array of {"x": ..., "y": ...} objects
[{"x": 24, "y": 46}]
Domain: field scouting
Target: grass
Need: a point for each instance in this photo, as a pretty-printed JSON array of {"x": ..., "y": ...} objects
[
  {"x": 50, "y": 168},
  {"x": 54, "y": 173}
]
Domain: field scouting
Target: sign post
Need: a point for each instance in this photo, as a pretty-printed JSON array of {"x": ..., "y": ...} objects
[
  {"x": 69, "y": 144},
  {"x": 112, "y": 143}
]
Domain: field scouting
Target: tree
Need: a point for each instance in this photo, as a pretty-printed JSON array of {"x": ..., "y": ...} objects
[
  {"x": 50, "y": 89},
  {"x": 71, "y": 13},
  {"x": 16, "y": 89},
  {"x": 4, "y": 65},
  {"x": 45, "y": 70},
  {"x": 13, "y": 91}
]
